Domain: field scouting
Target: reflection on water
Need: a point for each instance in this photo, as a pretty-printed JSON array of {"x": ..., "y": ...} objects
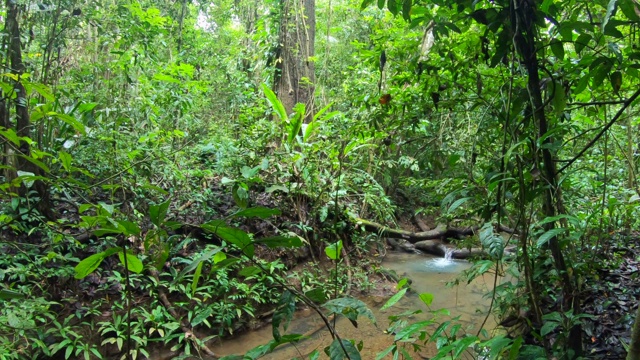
[{"x": 429, "y": 274}]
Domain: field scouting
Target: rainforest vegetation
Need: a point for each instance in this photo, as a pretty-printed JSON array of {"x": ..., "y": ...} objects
[{"x": 176, "y": 173}]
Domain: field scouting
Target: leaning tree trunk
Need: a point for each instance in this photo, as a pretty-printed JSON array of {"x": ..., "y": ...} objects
[
  {"x": 23, "y": 120},
  {"x": 524, "y": 26},
  {"x": 295, "y": 70},
  {"x": 634, "y": 348}
]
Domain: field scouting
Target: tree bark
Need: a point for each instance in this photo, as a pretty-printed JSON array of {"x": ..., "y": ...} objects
[
  {"x": 524, "y": 27},
  {"x": 295, "y": 70},
  {"x": 23, "y": 120},
  {"x": 634, "y": 348}
]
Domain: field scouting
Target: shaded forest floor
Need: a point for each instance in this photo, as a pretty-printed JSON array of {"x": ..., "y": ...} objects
[{"x": 611, "y": 297}]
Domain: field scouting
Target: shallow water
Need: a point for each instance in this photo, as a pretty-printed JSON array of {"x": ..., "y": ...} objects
[{"x": 429, "y": 274}]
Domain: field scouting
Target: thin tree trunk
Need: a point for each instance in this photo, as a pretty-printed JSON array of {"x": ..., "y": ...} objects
[
  {"x": 523, "y": 23},
  {"x": 23, "y": 120}
]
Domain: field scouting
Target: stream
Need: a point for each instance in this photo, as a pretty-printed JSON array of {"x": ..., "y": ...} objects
[{"x": 429, "y": 274}]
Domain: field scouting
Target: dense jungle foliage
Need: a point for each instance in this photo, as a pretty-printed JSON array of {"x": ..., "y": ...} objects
[{"x": 176, "y": 172}]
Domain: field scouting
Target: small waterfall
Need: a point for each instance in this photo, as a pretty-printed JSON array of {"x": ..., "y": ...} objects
[{"x": 448, "y": 254}]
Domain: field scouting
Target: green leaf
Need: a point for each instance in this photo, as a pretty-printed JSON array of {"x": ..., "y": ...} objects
[
  {"x": 392, "y": 6},
  {"x": 629, "y": 8},
  {"x": 295, "y": 123},
  {"x": 558, "y": 49},
  {"x": 240, "y": 194},
  {"x": 548, "y": 327},
  {"x": 250, "y": 271},
  {"x": 201, "y": 316},
  {"x": 273, "y": 188},
  {"x": 336, "y": 351},
  {"x": 259, "y": 211},
  {"x": 238, "y": 238},
  {"x": 283, "y": 313},
  {"x": 427, "y": 298},
  {"x": 316, "y": 295},
  {"x": 351, "y": 308},
  {"x": 381, "y": 4},
  {"x": 334, "y": 250},
  {"x": 158, "y": 212},
  {"x": 365, "y": 3},
  {"x": 581, "y": 42},
  {"x": 88, "y": 265},
  {"x": 65, "y": 160},
  {"x": 463, "y": 344},
  {"x": 195, "y": 263},
  {"x": 196, "y": 278},
  {"x": 275, "y": 103},
  {"x": 280, "y": 241},
  {"x": 411, "y": 330},
  {"x": 394, "y": 299},
  {"x": 616, "y": 81},
  {"x": 457, "y": 204},
  {"x": 9, "y": 294},
  {"x": 406, "y": 9},
  {"x": 611, "y": 8},
  {"x": 133, "y": 263},
  {"x": 544, "y": 238},
  {"x": 559, "y": 98}
]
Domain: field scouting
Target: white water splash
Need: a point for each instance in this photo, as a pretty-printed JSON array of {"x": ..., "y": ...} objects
[{"x": 448, "y": 254}]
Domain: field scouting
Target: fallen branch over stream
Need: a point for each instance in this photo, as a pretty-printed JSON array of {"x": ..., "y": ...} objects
[{"x": 440, "y": 232}]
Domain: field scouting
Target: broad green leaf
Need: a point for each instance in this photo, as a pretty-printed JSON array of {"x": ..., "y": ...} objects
[
  {"x": 334, "y": 250},
  {"x": 273, "y": 188},
  {"x": 394, "y": 299},
  {"x": 365, "y": 3},
  {"x": 548, "y": 327},
  {"x": 258, "y": 211},
  {"x": 9, "y": 294},
  {"x": 201, "y": 316},
  {"x": 238, "y": 238},
  {"x": 240, "y": 194},
  {"x": 65, "y": 160},
  {"x": 336, "y": 351},
  {"x": 381, "y": 4},
  {"x": 406, "y": 9},
  {"x": 133, "y": 263},
  {"x": 457, "y": 204},
  {"x": 35, "y": 162},
  {"x": 581, "y": 42},
  {"x": 427, "y": 298},
  {"x": 557, "y": 48},
  {"x": 544, "y": 238},
  {"x": 88, "y": 265},
  {"x": 275, "y": 103},
  {"x": 128, "y": 227},
  {"x": 280, "y": 241},
  {"x": 316, "y": 295},
  {"x": 629, "y": 8},
  {"x": 158, "y": 212},
  {"x": 392, "y": 6},
  {"x": 250, "y": 271},
  {"x": 351, "y": 308}
]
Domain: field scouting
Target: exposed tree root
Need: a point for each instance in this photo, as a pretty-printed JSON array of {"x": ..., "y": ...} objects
[{"x": 440, "y": 232}]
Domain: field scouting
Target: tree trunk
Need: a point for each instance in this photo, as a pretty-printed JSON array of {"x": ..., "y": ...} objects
[
  {"x": 295, "y": 70},
  {"x": 523, "y": 23},
  {"x": 23, "y": 120},
  {"x": 634, "y": 348}
]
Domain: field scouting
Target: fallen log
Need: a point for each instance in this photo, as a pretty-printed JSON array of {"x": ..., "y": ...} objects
[{"x": 440, "y": 232}]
